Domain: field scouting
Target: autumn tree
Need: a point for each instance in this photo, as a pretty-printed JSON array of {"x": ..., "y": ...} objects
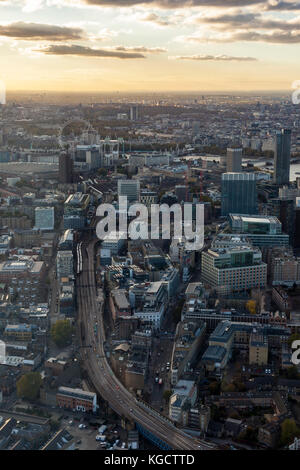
[
  {"x": 251, "y": 306},
  {"x": 28, "y": 386},
  {"x": 167, "y": 395},
  {"x": 292, "y": 338},
  {"x": 61, "y": 333},
  {"x": 289, "y": 430}
]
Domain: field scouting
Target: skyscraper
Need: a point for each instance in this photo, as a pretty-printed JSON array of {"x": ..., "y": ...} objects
[
  {"x": 239, "y": 193},
  {"x": 282, "y": 157},
  {"x": 234, "y": 160},
  {"x": 65, "y": 168},
  {"x": 134, "y": 113}
]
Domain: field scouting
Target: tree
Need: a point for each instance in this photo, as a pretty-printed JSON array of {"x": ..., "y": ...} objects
[
  {"x": 102, "y": 172},
  {"x": 227, "y": 387},
  {"x": 292, "y": 373},
  {"x": 251, "y": 307},
  {"x": 28, "y": 386},
  {"x": 248, "y": 435},
  {"x": 289, "y": 430},
  {"x": 167, "y": 395},
  {"x": 292, "y": 338},
  {"x": 177, "y": 311},
  {"x": 61, "y": 332},
  {"x": 214, "y": 388},
  {"x": 240, "y": 386}
]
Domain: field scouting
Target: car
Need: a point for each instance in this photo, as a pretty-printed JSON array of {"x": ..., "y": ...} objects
[{"x": 78, "y": 442}]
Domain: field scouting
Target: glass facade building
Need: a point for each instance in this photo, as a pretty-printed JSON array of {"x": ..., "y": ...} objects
[
  {"x": 239, "y": 194},
  {"x": 282, "y": 157}
]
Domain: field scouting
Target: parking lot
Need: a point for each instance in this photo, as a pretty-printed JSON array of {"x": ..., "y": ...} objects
[{"x": 85, "y": 437}]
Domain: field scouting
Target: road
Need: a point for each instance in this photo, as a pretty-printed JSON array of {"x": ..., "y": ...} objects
[{"x": 90, "y": 309}]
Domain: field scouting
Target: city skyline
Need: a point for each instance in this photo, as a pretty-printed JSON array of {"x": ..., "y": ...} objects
[{"x": 162, "y": 45}]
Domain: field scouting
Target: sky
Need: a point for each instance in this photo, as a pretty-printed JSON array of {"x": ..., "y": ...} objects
[{"x": 149, "y": 45}]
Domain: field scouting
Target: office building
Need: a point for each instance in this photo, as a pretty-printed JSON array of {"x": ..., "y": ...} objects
[
  {"x": 284, "y": 210},
  {"x": 74, "y": 222},
  {"x": 239, "y": 193},
  {"x": 25, "y": 278},
  {"x": 66, "y": 241},
  {"x": 114, "y": 242},
  {"x": 5, "y": 156},
  {"x": 134, "y": 113},
  {"x": 189, "y": 338},
  {"x": 148, "y": 198},
  {"x": 65, "y": 168},
  {"x": 44, "y": 218},
  {"x": 237, "y": 268},
  {"x": 76, "y": 399},
  {"x": 234, "y": 160},
  {"x": 75, "y": 210},
  {"x": 129, "y": 188},
  {"x": 64, "y": 264},
  {"x": 282, "y": 157},
  {"x": 184, "y": 393},
  {"x": 182, "y": 193},
  {"x": 88, "y": 157},
  {"x": 255, "y": 339},
  {"x": 261, "y": 230},
  {"x": 19, "y": 332},
  {"x": 285, "y": 269},
  {"x": 258, "y": 348},
  {"x": 76, "y": 204}
]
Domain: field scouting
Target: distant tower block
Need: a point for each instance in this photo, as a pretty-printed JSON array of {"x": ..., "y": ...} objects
[
  {"x": 2, "y": 93},
  {"x": 134, "y": 113},
  {"x": 282, "y": 157},
  {"x": 234, "y": 160},
  {"x": 65, "y": 168}
]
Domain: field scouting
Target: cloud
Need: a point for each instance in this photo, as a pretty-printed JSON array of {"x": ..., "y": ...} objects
[
  {"x": 216, "y": 58},
  {"x": 76, "y": 50},
  {"x": 40, "y": 32},
  {"x": 173, "y": 4},
  {"x": 275, "y": 37},
  {"x": 262, "y": 5},
  {"x": 142, "y": 49},
  {"x": 154, "y": 18},
  {"x": 282, "y": 6},
  {"x": 241, "y": 20}
]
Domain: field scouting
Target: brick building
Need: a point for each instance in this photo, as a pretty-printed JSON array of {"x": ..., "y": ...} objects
[{"x": 76, "y": 399}]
